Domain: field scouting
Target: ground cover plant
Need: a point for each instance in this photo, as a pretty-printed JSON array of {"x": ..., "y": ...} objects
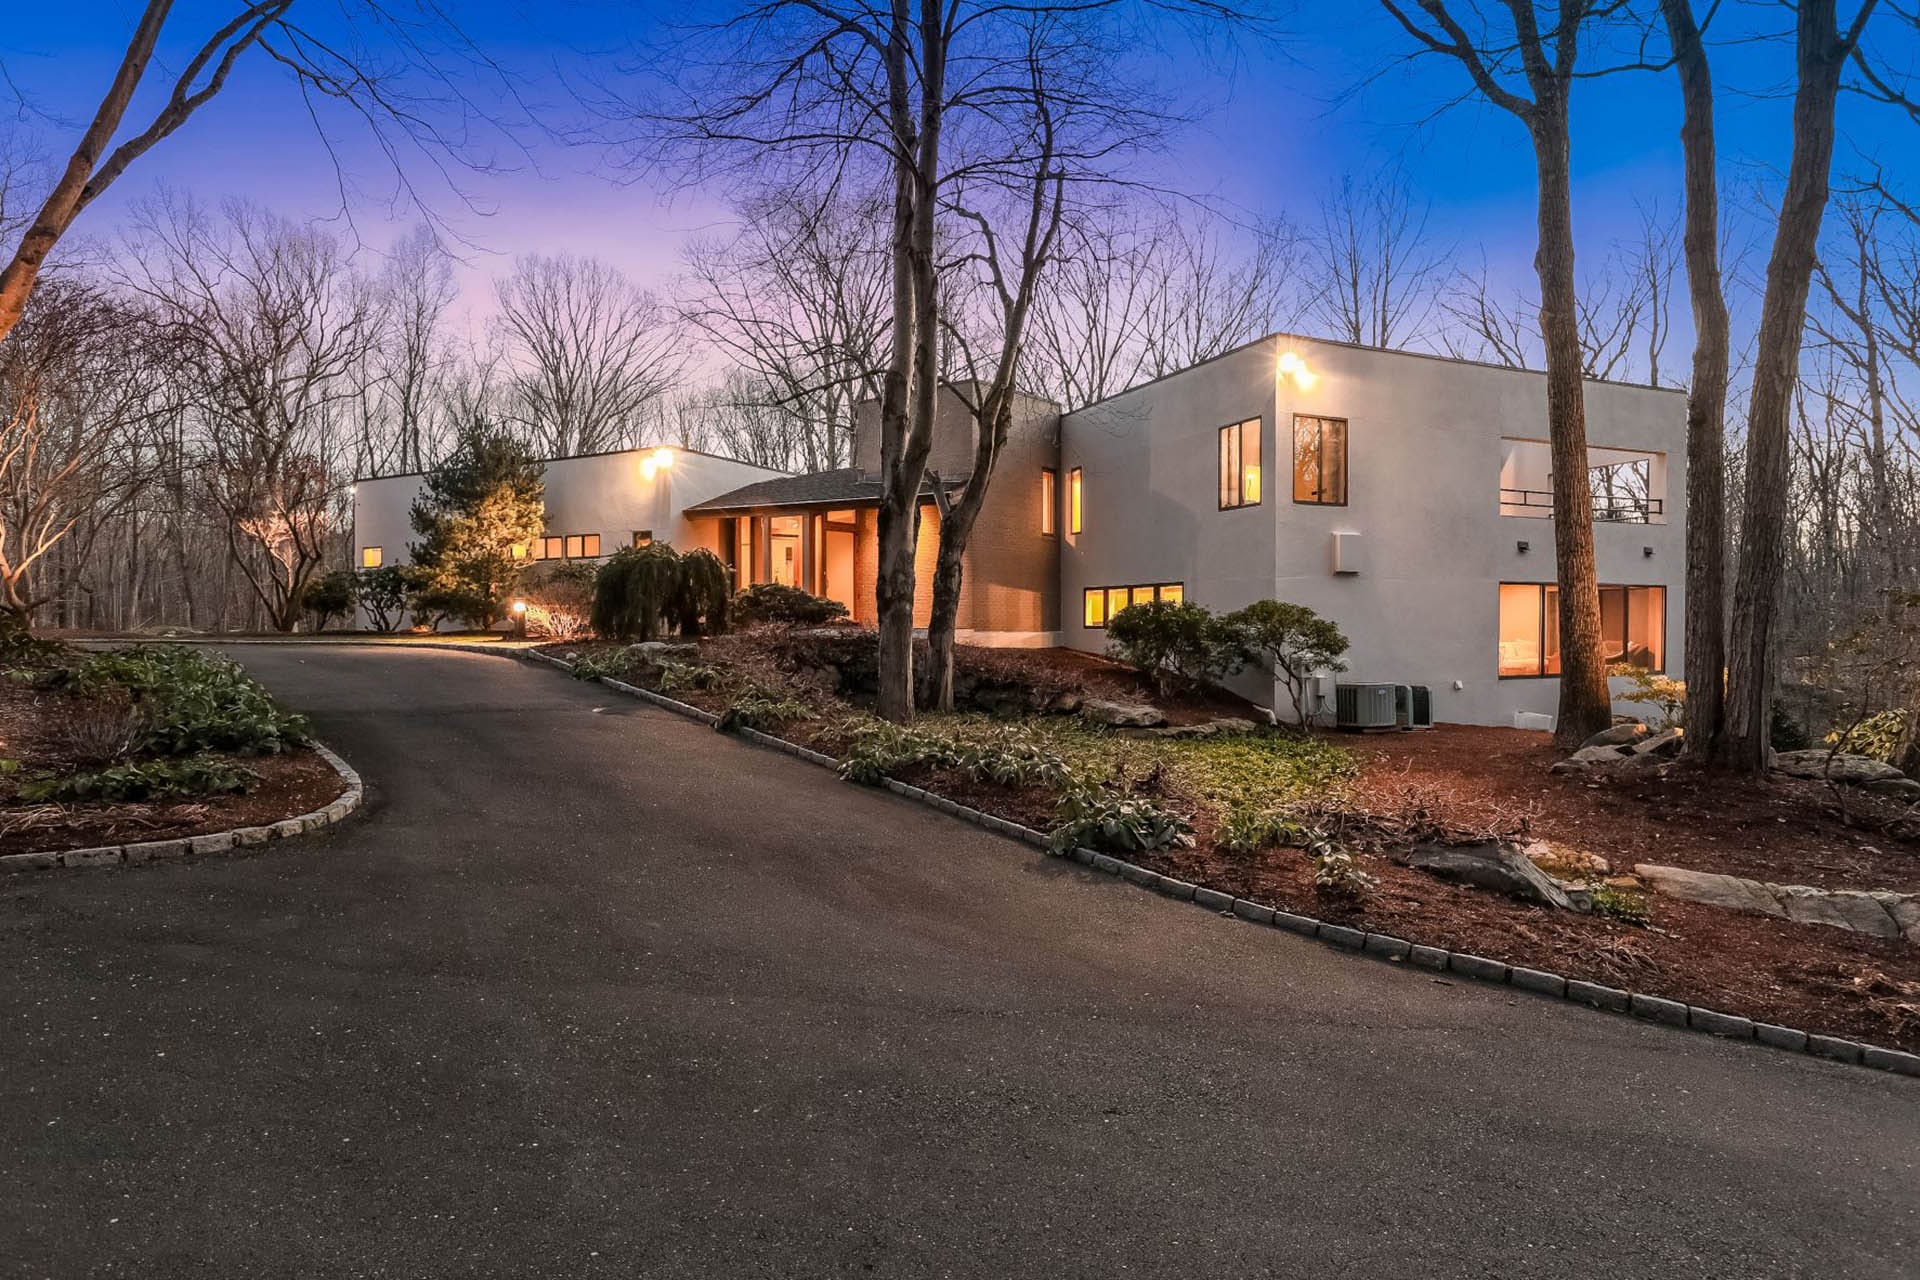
[
  {"x": 1322, "y": 824},
  {"x": 149, "y": 742}
]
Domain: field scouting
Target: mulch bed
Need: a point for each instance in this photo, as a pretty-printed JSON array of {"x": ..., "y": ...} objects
[
  {"x": 291, "y": 784},
  {"x": 1484, "y": 779},
  {"x": 1784, "y": 830}
]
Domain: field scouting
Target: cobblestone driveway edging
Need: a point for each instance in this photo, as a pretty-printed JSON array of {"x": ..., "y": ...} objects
[
  {"x": 232, "y": 841},
  {"x": 1592, "y": 995}
]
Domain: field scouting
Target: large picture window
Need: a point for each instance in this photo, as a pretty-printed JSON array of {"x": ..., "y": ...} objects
[
  {"x": 1100, "y": 603},
  {"x": 1240, "y": 465},
  {"x": 1320, "y": 461},
  {"x": 1633, "y": 627}
]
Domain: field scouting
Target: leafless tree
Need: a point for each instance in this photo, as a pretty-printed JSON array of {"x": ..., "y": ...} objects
[
  {"x": 269, "y": 320},
  {"x": 414, "y": 354},
  {"x": 389, "y": 64},
  {"x": 75, "y": 393},
  {"x": 1526, "y": 63},
  {"x": 1706, "y": 644},
  {"x": 798, "y": 298},
  {"x": 1823, "y": 48},
  {"x": 1373, "y": 270},
  {"x": 588, "y": 351}
]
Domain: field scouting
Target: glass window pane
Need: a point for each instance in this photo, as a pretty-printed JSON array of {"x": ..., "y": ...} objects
[
  {"x": 1306, "y": 459},
  {"x": 1519, "y": 629},
  {"x": 1094, "y": 601},
  {"x": 1141, "y": 595},
  {"x": 1647, "y": 628},
  {"x": 1229, "y": 467},
  {"x": 590, "y": 544},
  {"x": 1613, "y": 623},
  {"x": 1073, "y": 501},
  {"x": 1333, "y": 461},
  {"x": 572, "y": 545},
  {"x": 1172, "y": 593},
  {"x": 1048, "y": 504},
  {"x": 1116, "y": 600},
  {"x": 1250, "y": 461},
  {"x": 370, "y": 557},
  {"x": 1550, "y": 625}
]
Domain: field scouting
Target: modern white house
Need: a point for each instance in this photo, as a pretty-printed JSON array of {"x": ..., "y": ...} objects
[{"x": 1405, "y": 496}]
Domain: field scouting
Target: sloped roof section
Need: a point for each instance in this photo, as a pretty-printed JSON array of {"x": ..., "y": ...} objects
[{"x": 847, "y": 487}]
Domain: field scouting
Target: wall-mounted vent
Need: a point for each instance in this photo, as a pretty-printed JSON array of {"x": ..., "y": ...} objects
[{"x": 1349, "y": 553}]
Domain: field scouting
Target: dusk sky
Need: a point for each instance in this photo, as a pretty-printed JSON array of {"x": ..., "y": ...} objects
[{"x": 1288, "y": 120}]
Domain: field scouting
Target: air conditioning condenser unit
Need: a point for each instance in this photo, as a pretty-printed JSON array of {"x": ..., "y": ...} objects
[{"x": 1366, "y": 706}]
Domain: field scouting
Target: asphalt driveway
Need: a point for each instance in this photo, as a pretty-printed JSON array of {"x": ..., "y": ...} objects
[{"x": 589, "y": 990}]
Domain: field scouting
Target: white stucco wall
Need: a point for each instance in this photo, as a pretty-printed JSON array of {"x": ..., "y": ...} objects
[
  {"x": 608, "y": 493},
  {"x": 1425, "y": 451}
]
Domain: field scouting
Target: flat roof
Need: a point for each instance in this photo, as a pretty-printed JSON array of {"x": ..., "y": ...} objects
[{"x": 598, "y": 453}]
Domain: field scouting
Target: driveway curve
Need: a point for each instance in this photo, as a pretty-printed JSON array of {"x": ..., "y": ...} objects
[{"x": 589, "y": 990}]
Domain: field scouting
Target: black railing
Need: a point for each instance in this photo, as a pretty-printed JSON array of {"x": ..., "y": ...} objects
[{"x": 1615, "y": 510}]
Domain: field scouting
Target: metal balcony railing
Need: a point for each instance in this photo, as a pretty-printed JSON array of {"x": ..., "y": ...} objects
[{"x": 1614, "y": 510}]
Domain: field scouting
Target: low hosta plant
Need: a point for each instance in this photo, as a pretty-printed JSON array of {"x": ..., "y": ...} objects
[
  {"x": 168, "y": 779},
  {"x": 761, "y": 708},
  {"x": 1337, "y": 873},
  {"x": 1099, "y": 818},
  {"x": 1247, "y": 830},
  {"x": 189, "y": 700}
]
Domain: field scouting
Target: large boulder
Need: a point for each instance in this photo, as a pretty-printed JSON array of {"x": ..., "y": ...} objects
[
  {"x": 1819, "y": 763},
  {"x": 1499, "y": 865},
  {"x": 1123, "y": 715},
  {"x": 1664, "y": 745},
  {"x": 655, "y": 652},
  {"x": 1620, "y": 735},
  {"x": 1207, "y": 729}
]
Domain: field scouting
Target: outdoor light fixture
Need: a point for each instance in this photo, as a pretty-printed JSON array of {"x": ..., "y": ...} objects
[
  {"x": 519, "y": 606},
  {"x": 655, "y": 462},
  {"x": 1647, "y": 552},
  {"x": 1521, "y": 547},
  {"x": 1292, "y": 366}
]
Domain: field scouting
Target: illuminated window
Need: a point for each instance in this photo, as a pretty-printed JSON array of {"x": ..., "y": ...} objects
[
  {"x": 571, "y": 546},
  {"x": 370, "y": 557},
  {"x": 1049, "y": 500},
  {"x": 1073, "y": 501},
  {"x": 1320, "y": 461},
  {"x": 1633, "y": 627},
  {"x": 1099, "y": 604},
  {"x": 1240, "y": 465},
  {"x": 643, "y": 537},
  {"x": 553, "y": 548}
]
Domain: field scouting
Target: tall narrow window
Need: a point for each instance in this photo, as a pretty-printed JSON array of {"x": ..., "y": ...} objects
[
  {"x": 1049, "y": 501},
  {"x": 1240, "y": 465},
  {"x": 1320, "y": 461},
  {"x": 370, "y": 557},
  {"x": 1073, "y": 501}
]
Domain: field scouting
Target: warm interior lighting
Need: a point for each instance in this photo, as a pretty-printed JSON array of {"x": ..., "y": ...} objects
[
  {"x": 659, "y": 460},
  {"x": 1292, "y": 366}
]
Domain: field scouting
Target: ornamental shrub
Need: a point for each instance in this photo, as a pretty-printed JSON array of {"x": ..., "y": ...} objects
[
  {"x": 146, "y": 780},
  {"x": 330, "y": 596},
  {"x": 777, "y": 602},
  {"x": 1180, "y": 646},
  {"x": 1294, "y": 642},
  {"x": 383, "y": 594}
]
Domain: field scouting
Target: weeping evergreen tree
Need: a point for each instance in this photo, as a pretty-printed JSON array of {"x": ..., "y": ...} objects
[
  {"x": 635, "y": 591},
  {"x": 706, "y": 589}
]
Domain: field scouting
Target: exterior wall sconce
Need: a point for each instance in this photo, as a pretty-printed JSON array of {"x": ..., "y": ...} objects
[
  {"x": 1521, "y": 547},
  {"x": 1647, "y": 552},
  {"x": 1292, "y": 366},
  {"x": 655, "y": 462}
]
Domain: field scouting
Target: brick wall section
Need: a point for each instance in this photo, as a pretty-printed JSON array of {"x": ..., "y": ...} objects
[
  {"x": 866, "y": 566},
  {"x": 1011, "y": 576}
]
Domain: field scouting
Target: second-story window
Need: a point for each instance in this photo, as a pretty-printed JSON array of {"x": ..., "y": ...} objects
[
  {"x": 1319, "y": 461},
  {"x": 1073, "y": 501},
  {"x": 370, "y": 557},
  {"x": 1240, "y": 465},
  {"x": 1049, "y": 501}
]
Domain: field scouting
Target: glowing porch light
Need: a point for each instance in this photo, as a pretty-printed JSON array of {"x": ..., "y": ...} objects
[
  {"x": 519, "y": 606},
  {"x": 1292, "y": 366},
  {"x": 654, "y": 463}
]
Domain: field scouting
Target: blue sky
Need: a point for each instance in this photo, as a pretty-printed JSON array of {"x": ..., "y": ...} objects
[{"x": 1289, "y": 119}]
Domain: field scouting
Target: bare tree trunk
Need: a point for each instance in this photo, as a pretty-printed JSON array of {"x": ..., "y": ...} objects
[
  {"x": 1706, "y": 636},
  {"x": 1821, "y": 54},
  {"x": 1586, "y": 706}
]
